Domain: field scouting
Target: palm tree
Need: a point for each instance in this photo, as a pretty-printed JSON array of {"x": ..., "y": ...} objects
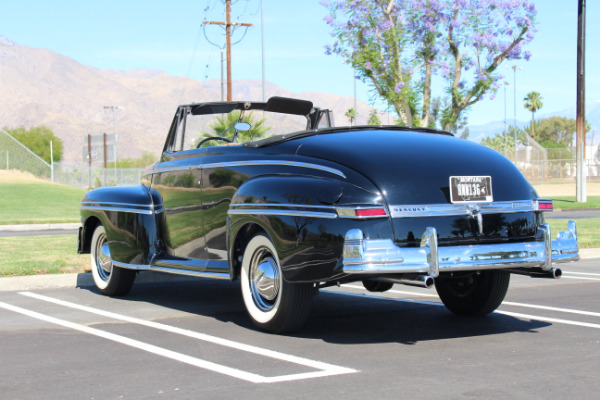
[
  {"x": 351, "y": 115},
  {"x": 533, "y": 102},
  {"x": 221, "y": 124},
  {"x": 374, "y": 118}
]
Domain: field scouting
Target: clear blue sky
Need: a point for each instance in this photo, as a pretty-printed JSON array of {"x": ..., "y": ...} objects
[{"x": 168, "y": 36}]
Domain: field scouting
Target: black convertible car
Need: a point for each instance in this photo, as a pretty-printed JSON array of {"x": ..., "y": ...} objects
[{"x": 272, "y": 194}]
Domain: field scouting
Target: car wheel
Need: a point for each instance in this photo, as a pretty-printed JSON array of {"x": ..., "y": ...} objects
[
  {"x": 273, "y": 304},
  {"x": 376, "y": 286},
  {"x": 108, "y": 278},
  {"x": 473, "y": 294}
]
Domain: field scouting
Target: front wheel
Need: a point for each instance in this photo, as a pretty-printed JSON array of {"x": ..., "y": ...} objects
[
  {"x": 108, "y": 278},
  {"x": 473, "y": 294},
  {"x": 273, "y": 304}
]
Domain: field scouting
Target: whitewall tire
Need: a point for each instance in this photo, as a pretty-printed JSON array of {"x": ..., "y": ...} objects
[
  {"x": 273, "y": 304},
  {"x": 108, "y": 278}
]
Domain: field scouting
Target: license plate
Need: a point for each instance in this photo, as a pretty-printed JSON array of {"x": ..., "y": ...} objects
[{"x": 471, "y": 189}]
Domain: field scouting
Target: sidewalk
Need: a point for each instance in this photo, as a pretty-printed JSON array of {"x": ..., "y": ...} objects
[
  {"x": 39, "y": 227},
  {"x": 63, "y": 281}
]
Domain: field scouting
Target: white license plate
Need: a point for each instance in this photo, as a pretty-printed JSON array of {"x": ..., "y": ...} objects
[{"x": 471, "y": 189}]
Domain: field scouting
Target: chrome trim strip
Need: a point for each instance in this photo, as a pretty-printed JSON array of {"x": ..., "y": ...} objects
[
  {"x": 136, "y": 267},
  {"x": 447, "y": 210},
  {"x": 253, "y": 163},
  {"x": 331, "y": 208},
  {"x": 174, "y": 168},
  {"x": 275, "y": 162},
  {"x": 120, "y": 209},
  {"x": 382, "y": 256},
  {"x": 287, "y": 213},
  {"x": 189, "y": 272},
  {"x": 115, "y": 204}
]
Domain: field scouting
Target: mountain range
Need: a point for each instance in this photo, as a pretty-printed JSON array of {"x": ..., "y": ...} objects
[{"x": 41, "y": 87}]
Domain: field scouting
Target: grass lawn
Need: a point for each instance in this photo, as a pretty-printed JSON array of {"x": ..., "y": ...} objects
[
  {"x": 570, "y": 203},
  {"x": 41, "y": 255},
  {"x": 35, "y": 201}
]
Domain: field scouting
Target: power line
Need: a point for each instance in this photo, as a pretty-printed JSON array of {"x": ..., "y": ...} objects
[{"x": 228, "y": 24}]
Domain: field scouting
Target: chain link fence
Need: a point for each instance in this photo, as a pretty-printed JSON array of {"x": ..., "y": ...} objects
[
  {"x": 538, "y": 164},
  {"x": 13, "y": 155},
  {"x": 86, "y": 177},
  {"x": 543, "y": 165}
]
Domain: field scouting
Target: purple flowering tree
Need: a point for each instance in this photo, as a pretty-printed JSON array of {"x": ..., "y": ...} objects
[{"x": 398, "y": 46}]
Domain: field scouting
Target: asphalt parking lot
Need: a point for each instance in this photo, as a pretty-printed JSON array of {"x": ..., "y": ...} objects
[{"x": 192, "y": 339}]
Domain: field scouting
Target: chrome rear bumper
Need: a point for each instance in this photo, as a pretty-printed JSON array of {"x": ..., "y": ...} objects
[{"x": 370, "y": 256}]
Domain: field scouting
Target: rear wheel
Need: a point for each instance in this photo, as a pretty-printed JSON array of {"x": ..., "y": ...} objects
[
  {"x": 273, "y": 304},
  {"x": 473, "y": 294},
  {"x": 109, "y": 279}
]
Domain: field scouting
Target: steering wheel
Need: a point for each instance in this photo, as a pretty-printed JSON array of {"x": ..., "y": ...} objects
[{"x": 212, "y": 138}]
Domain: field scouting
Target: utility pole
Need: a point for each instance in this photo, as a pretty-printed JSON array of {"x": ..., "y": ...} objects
[
  {"x": 228, "y": 24},
  {"x": 580, "y": 152}
]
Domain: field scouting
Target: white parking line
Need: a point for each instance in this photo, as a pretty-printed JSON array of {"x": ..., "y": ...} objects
[
  {"x": 546, "y": 319},
  {"x": 324, "y": 369},
  {"x": 564, "y": 310},
  {"x": 586, "y": 276},
  {"x": 137, "y": 344},
  {"x": 518, "y": 315},
  {"x": 581, "y": 273}
]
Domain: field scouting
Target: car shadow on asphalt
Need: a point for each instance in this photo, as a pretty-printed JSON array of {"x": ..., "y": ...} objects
[{"x": 335, "y": 317}]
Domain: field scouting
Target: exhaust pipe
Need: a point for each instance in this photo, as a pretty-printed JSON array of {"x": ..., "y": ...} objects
[
  {"x": 424, "y": 281},
  {"x": 553, "y": 273},
  {"x": 418, "y": 280}
]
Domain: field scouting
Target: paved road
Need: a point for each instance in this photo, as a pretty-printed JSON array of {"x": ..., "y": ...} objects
[
  {"x": 573, "y": 214},
  {"x": 192, "y": 339}
]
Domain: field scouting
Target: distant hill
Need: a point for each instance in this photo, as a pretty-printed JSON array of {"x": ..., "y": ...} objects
[{"x": 39, "y": 87}]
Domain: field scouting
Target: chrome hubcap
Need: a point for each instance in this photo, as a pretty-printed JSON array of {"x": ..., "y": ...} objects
[
  {"x": 264, "y": 280},
  {"x": 103, "y": 260}
]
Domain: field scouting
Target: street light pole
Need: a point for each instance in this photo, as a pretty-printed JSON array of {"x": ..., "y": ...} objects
[
  {"x": 514, "y": 67},
  {"x": 262, "y": 39},
  {"x": 505, "y": 127},
  {"x": 580, "y": 121},
  {"x": 112, "y": 109}
]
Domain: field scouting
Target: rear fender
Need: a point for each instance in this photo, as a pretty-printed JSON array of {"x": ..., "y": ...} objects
[{"x": 299, "y": 214}]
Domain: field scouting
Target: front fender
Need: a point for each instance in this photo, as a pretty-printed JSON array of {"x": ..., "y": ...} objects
[{"x": 129, "y": 215}]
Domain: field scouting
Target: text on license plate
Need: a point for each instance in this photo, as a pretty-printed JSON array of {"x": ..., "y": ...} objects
[{"x": 468, "y": 189}]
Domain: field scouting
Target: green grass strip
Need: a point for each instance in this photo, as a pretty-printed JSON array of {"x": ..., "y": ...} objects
[
  {"x": 588, "y": 230},
  {"x": 570, "y": 202},
  {"x": 39, "y": 203},
  {"x": 32, "y": 255}
]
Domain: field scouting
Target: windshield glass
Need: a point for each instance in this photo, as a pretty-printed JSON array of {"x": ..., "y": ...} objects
[{"x": 206, "y": 130}]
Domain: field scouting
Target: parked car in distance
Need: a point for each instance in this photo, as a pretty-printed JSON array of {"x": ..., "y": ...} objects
[{"x": 272, "y": 194}]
